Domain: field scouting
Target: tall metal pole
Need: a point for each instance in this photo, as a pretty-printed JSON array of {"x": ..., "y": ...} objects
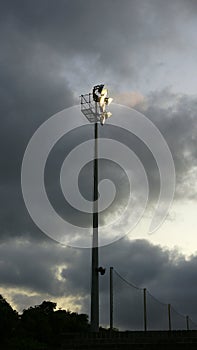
[
  {"x": 111, "y": 298},
  {"x": 95, "y": 258},
  {"x": 145, "y": 312},
  {"x": 100, "y": 97}
]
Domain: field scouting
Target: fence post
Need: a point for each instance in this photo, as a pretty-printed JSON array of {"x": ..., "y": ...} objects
[
  {"x": 145, "y": 313},
  {"x": 187, "y": 322},
  {"x": 111, "y": 298},
  {"x": 169, "y": 317}
]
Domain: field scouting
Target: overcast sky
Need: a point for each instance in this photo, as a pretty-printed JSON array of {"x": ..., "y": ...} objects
[{"x": 145, "y": 52}]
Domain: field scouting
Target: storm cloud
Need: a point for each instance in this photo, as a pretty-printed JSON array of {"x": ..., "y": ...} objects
[
  {"x": 51, "y": 271},
  {"x": 50, "y": 53}
]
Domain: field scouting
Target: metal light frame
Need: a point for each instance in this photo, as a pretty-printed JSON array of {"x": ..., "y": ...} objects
[{"x": 93, "y": 105}]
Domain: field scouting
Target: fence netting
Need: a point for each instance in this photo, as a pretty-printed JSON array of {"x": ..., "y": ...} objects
[{"x": 136, "y": 308}]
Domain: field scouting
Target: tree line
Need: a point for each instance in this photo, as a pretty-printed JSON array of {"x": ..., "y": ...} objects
[{"x": 38, "y": 327}]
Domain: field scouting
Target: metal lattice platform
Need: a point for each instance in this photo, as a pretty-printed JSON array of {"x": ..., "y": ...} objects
[{"x": 90, "y": 108}]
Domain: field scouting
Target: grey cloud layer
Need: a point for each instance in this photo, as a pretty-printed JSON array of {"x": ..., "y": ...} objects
[
  {"x": 175, "y": 116},
  {"x": 50, "y": 53},
  {"x": 53, "y": 271},
  {"x": 40, "y": 41},
  {"x": 122, "y": 41}
]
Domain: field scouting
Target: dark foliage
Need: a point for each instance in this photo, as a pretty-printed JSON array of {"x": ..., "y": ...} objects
[
  {"x": 39, "y": 327},
  {"x": 8, "y": 319}
]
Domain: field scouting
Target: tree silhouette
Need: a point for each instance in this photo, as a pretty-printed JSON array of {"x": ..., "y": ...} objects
[
  {"x": 8, "y": 319},
  {"x": 39, "y": 327},
  {"x": 37, "y": 321},
  {"x": 44, "y": 324},
  {"x": 67, "y": 321}
]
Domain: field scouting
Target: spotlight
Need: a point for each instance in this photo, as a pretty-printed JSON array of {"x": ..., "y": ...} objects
[
  {"x": 101, "y": 270},
  {"x": 105, "y": 116},
  {"x": 97, "y": 89}
]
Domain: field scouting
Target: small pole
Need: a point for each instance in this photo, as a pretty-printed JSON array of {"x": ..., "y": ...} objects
[
  {"x": 187, "y": 322},
  {"x": 111, "y": 298},
  {"x": 169, "y": 317},
  {"x": 145, "y": 313}
]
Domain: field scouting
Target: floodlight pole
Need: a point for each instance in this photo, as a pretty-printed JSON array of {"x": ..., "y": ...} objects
[
  {"x": 95, "y": 257},
  {"x": 100, "y": 99}
]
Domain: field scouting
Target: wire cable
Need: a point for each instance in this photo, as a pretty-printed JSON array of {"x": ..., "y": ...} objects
[
  {"x": 157, "y": 300},
  {"x": 127, "y": 282}
]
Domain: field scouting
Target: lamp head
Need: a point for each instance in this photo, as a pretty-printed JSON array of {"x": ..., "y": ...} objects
[
  {"x": 97, "y": 89},
  {"x": 101, "y": 270},
  {"x": 108, "y": 100}
]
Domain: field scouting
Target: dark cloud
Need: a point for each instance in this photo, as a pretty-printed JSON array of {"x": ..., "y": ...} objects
[
  {"x": 50, "y": 53},
  {"x": 51, "y": 271},
  {"x": 40, "y": 42},
  {"x": 118, "y": 41},
  {"x": 174, "y": 115}
]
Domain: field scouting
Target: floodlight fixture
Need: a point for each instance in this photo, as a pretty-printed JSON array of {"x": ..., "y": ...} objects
[
  {"x": 93, "y": 105},
  {"x": 101, "y": 270},
  {"x": 105, "y": 116},
  {"x": 108, "y": 100},
  {"x": 97, "y": 92}
]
